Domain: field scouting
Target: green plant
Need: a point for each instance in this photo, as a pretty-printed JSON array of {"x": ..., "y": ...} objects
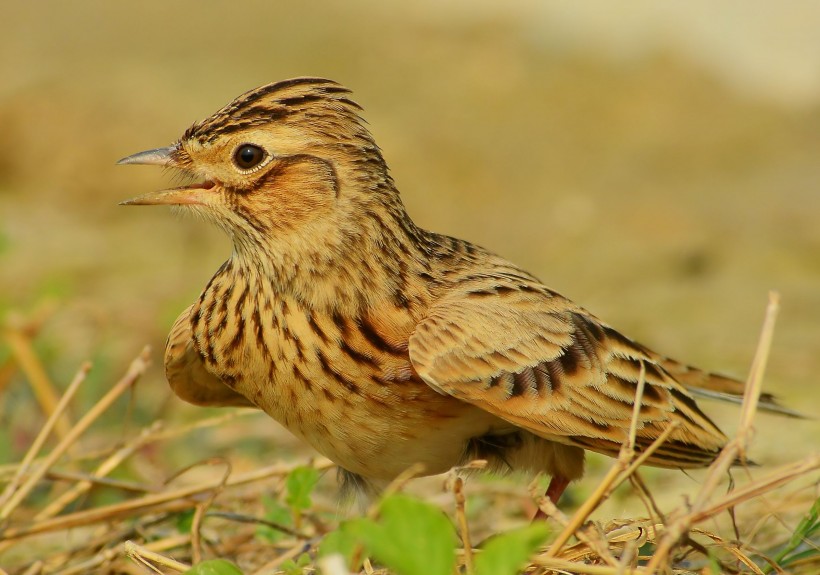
[
  {"x": 808, "y": 528},
  {"x": 411, "y": 537},
  {"x": 505, "y": 554},
  {"x": 299, "y": 486},
  {"x": 297, "y": 567}
]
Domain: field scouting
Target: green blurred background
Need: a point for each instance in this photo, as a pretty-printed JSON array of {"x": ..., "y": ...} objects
[{"x": 656, "y": 163}]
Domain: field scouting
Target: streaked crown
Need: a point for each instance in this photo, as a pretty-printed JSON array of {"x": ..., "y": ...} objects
[{"x": 323, "y": 104}]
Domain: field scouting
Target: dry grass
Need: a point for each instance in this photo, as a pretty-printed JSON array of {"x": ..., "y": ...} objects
[{"x": 48, "y": 525}]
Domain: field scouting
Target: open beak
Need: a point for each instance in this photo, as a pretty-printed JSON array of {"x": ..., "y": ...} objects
[
  {"x": 194, "y": 194},
  {"x": 157, "y": 157}
]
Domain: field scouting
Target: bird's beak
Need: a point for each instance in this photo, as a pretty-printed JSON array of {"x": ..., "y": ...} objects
[
  {"x": 156, "y": 157},
  {"x": 186, "y": 195}
]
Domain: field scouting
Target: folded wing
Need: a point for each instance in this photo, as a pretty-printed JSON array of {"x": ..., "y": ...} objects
[
  {"x": 186, "y": 372},
  {"x": 526, "y": 354}
]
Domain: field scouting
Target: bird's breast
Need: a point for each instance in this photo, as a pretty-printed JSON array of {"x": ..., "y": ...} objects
[{"x": 344, "y": 384}]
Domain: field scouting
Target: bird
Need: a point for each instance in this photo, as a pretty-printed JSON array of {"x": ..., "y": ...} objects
[{"x": 386, "y": 346}]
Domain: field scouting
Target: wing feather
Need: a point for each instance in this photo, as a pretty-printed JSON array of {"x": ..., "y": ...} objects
[
  {"x": 187, "y": 375},
  {"x": 531, "y": 357}
]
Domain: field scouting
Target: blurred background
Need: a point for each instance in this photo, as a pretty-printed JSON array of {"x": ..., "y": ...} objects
[{"x": 657, "y": 164}]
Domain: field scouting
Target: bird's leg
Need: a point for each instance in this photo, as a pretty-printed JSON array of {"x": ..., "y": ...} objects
[{"x": 557, "y": 485}]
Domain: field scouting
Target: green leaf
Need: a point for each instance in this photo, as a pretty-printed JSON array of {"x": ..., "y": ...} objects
[
  {"x": 714, "y": 562},
  {"x": 185, "y": 521},
  {"x": 410, "y": 538},
  {"x": 800, "y": 557},
  {"x": 300, "y": 484},
  {"x": 807, "y": 526},
  {"x": 214, "y": 567},
  {"x": 343, "y": 541},
  {"x": 291, "y": 567},
  {"x": 803, "y": 532},
  {"x": 505, "y": 554},
  {"x": 275, "y": 512}
]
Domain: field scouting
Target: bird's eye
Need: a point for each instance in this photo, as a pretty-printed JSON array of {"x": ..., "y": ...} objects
[{"x": 248, "y": 156}]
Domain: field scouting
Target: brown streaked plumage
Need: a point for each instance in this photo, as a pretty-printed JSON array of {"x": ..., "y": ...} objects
[{"x": 381, "y": 344}]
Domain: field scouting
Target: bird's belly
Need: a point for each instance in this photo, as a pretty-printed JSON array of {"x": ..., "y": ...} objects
[{"x": 369, "y": 429}]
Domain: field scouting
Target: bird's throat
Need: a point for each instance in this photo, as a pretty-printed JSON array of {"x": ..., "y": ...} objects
[{"x": 349, "y": 273}]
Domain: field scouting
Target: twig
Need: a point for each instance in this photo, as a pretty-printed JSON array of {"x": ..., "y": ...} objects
[
  {"x": 174, "y": 500},
  {"x": 294, "y": 551},
  {"x": 733, "y": 549},
  {"x": 258, "y": 521},
  {"x": 37, "y": 377},
  {"x": 196, "y": 524},
  {"x": 136, "y": 369},
  {"x": 652, "y": 509},
  {"x": 614, "y": 475},
  {"x": 594, "y": 544},
  {"x": 38, "y": 442},
  {"x": 143, "y": 556},
  {"x": 781, "y": 476},
  {"x": 109, "y": 554},
  {"x": 629, "y": 553},
  {"x": 581, "y": 568},
  {"x": 104, "y": 469},
  {"x": 161, "y": 435},
  {"x": 396, "y": 485},
  {"x": 733, "y": 448},
  {"x": 122, "y": 484},
  {"x": 463, "y": 527},
  {"x": 629, "y": 453},
  {"x": 647, "y": 453}
]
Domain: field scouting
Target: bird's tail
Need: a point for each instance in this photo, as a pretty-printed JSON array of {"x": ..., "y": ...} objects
[{"x": 709, "y": 385}]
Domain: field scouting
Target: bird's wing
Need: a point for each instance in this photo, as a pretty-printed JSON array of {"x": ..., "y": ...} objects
[
  {"x": 187, "y": 374},
  {"x": 526, "y": 354}
]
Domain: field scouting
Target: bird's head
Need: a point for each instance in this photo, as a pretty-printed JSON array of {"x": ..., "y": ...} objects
[{"x": 281, "y": 167}]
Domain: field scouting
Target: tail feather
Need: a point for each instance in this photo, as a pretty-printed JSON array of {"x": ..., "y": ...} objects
[{"x": 707, "y": 385}]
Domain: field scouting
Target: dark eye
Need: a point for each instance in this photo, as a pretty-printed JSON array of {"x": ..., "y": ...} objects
[{"x": 248, "y": 156}]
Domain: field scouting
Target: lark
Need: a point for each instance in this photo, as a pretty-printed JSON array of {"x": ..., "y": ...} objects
[{"x": 381, "y": 344}]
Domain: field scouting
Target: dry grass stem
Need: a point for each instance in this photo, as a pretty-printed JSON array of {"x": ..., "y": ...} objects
[
  {"x": 172, "y": 500},
  {"x": 461, "y": 520},
  {"x": 41, "y": 384},
  {"x": 40, "y": 440},
  {"x": 593, "y": 543},
  {"x": 613, "y": 477},
  {"x": 564, "y": 566},
  {"x": 292, "y": 553},
  {"x": 146, "y": 557},
  {"x": 733, "y": 448},
  {"x": 775, "y": 479},
  {"x": 104, "y": 469},
  {"x": 136, "y": 369},
  {"x": 199, "y": 512}
]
